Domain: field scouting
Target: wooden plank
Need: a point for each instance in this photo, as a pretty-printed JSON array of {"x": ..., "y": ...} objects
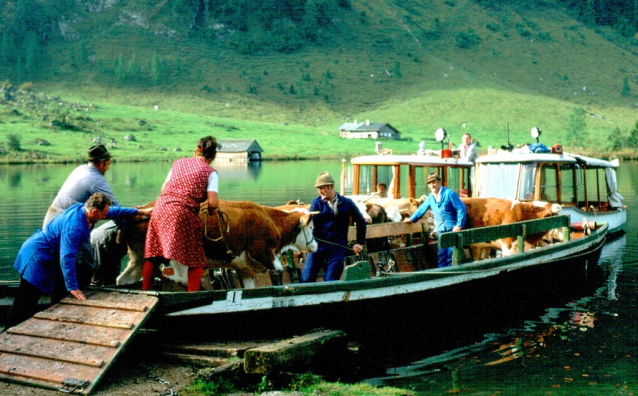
[
  {"x": 58, "y": 350},
  {"x": 89, "y": 355},
  {"x": 75, "y": 332},
  {"x": 294, "y": 352},
  {"x": 387, "y": 229},
  {"x": 107, "y": 317},
  {"x": 121, "y": 301}
]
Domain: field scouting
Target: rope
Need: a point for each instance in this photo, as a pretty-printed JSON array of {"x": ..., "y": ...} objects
[
  {"x": 223, "y": 221},
  {"x": 334, "y": 244}
]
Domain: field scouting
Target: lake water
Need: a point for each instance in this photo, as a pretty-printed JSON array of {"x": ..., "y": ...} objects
[{"x": 586, "y": 344}]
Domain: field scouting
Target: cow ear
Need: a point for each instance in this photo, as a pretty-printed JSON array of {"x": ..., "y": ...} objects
[{"x": 305, "y": 219}]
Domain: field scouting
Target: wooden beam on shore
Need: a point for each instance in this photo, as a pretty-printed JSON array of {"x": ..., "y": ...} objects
[{"x": 295, "y": 352}]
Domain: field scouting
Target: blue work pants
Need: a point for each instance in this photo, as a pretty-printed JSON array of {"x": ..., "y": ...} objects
[{"x": 331, "y": 262}]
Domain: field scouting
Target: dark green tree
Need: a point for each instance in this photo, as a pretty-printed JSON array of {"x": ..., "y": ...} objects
[
  {"x": 155, "y": 69},
  {"x": 20, "y": 76},
  {"x": 577, "y": 126},
  {"x": 626, "y": 90},
  {"x": 119, "y": 69},
  {"x": 617, "y": 140},
  {"x": 632, "y": 140},
  {"x": 32, "y": 56},
  {"x": 7, "y": 50},
  {"x": 397, "y": 69},
  {"x": 13, "y": 142}
]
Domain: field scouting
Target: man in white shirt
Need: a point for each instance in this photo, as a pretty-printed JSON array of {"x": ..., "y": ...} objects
[{"x": 467, "y": 150}]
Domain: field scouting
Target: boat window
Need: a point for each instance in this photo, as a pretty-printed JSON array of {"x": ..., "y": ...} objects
[
  {"x": 498, "y": 181},
  {"x": 549, "y": 183},
  {"x": 594, "y": 191},
  {"x": 528, "y": 182},
  {"x": 570, "y": 181}
]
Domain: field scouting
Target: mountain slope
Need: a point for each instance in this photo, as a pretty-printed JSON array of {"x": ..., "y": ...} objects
[{"x": 417, "y": 65}]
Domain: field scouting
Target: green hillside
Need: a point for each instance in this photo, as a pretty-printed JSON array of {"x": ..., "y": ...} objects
[{"x": 289, "y": 73}]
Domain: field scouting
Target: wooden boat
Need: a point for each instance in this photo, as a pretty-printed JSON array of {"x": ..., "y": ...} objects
[
  {"x": 404, "y": 277},
  {"x": 392, "y": 280},
  {"x": 585, "y": 186},
  {"x": 398, "y": 280}
]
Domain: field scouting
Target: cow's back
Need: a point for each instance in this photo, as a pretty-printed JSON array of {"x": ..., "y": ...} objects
[{"x": 483, "y": 212}]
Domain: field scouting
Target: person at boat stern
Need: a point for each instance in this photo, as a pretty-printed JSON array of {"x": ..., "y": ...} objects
[
  {"x": 47, "y": 260},
  {"x": 175, "y": 230},
  {"x": 449, "y": 212},
  {"x": 331, "y": 231},
  {"x": 467, "y": 150}
]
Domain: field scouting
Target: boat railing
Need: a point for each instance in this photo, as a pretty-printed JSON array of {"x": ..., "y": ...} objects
[
  {"x": 519, "y": 230},
  {"x": 383, "y": 230}
]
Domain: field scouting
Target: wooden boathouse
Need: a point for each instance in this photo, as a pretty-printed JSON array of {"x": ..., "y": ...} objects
[{"x": 239, "y": 150}]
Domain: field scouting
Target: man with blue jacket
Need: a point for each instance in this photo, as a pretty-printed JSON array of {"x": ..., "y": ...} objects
[
  {"x": 331, "y": 231},
  {"x": 449, "y": 212},
  {"x": 47, "y": 260}
]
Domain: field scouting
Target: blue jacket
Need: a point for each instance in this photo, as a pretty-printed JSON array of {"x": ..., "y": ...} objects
[
  {"x": 335, "y": 228},
  {"x": 450, "y": 211},
  {"x": 58, "y": 245}
]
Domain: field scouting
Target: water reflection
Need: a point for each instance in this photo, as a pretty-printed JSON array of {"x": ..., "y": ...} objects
[
  {"x": 28, "y": 190},
  {"x": 611, "y": 262},
  {"x": 555, "y": 344}
]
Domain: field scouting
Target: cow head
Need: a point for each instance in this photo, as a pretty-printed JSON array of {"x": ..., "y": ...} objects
[{"x": 305, "y": 241}]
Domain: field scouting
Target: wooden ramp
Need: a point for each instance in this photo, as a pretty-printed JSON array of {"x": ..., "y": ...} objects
[{"x": 69, "y": 346}]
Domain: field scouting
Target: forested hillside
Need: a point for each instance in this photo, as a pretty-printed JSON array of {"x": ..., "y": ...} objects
[{"x": 482, "y": 66}]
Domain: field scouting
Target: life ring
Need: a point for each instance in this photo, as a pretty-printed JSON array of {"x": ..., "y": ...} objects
[{"x": 557, "y": 149}]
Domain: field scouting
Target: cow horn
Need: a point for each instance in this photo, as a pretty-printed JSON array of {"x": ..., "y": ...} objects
[
  {"x": 556, "y": 208},
  {"x": 313, "y": 213}
]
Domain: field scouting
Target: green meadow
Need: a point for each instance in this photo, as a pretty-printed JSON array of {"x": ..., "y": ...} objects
[{"x": 492, "y": 69}]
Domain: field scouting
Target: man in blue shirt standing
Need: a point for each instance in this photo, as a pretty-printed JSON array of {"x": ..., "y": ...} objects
[
  {"x": 331, "y": 231},
  {"x": 449, "y": 212},
  {"x": 47, "y": 260}
]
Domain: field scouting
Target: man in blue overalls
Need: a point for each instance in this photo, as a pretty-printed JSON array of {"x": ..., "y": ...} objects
[
  {"x": 449, "y": 212},
  {"x": 331, "y": 231}
]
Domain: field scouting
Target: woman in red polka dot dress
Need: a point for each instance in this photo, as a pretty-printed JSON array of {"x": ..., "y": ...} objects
[{"x": 175, "y": 230}]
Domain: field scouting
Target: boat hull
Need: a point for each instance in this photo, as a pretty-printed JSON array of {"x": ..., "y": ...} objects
[
  {"x": 411, "y": 300},
  {"x": 615, "y": 219}
]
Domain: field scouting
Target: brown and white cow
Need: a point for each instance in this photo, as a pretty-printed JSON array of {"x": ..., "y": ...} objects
[
  {"x": 483, "y": 212},
  {"x": 253, "y": 236},
  {"x": 397, "y": 209}
]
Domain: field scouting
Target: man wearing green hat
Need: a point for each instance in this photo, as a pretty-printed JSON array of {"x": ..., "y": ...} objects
[{"x": 331, "y": 231}]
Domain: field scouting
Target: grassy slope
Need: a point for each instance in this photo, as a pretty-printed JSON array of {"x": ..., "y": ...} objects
[{"x": 530, "y": 69}]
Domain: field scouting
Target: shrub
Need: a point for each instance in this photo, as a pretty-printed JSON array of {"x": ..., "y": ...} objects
[
  {"x": 626, "y": 90},
  {"x": 545, "y": 37},
  {"x": 493, "y": 26},
  {"x": 467, "y": 39},
  {"x": 13, "y": 142}
]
